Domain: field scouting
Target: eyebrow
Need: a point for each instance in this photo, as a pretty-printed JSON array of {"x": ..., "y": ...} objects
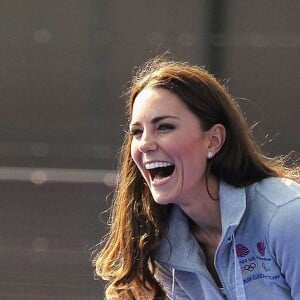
[{"x": 158, "y": 119}]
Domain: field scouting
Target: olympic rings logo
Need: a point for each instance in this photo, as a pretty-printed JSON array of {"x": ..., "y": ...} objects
[{"x": 250, "y": 267}]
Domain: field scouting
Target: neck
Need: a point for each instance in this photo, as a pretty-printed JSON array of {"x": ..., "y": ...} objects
[
  {"x": 207, "y": 236},
  {"x": 205, "y": 215}
]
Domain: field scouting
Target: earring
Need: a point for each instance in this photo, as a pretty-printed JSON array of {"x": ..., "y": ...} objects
[{"x": 210, "y": 155}]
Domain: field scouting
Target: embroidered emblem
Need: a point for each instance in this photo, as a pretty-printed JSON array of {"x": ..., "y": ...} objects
[
  {"x": 250, "y": 267},
  {"x": 261, "y": 247},
  {"x": 266, "y": 267},
  {"x": 241, "y": 250}
]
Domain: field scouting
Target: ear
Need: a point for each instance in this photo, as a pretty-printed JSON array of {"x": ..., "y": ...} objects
[{"x": 217, "y": 136}]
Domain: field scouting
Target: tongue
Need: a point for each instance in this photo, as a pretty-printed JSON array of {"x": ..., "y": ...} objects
[
  {"x": 163, "y": 172},
  {"x": 159, "y": 174}
]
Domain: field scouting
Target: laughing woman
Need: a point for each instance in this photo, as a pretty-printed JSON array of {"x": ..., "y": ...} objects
[{"x": 199, "y": 212}]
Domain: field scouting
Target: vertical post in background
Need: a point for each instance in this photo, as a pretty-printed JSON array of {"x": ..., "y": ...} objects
[{"x": 217, "y": 29}]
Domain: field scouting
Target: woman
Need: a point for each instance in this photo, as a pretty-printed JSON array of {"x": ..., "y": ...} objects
[{"x": 199, "y": 212}]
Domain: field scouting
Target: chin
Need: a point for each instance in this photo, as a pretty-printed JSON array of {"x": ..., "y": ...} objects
[{"x": 162, "y": 201}]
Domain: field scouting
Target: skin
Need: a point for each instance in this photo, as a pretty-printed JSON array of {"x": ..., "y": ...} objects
[{"x": 165, "y": 130}]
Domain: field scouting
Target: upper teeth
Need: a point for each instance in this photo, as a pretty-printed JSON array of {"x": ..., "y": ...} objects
[{"x": 159, "y": 164}]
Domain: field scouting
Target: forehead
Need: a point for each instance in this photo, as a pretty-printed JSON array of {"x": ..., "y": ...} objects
[{"x": 157, "y": 100}]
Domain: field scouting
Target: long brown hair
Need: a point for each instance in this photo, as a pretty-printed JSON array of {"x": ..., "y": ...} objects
[{"x": 137, "y": 223}]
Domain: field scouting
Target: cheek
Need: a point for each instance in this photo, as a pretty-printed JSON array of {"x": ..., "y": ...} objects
[
  {"x": 134, "y": 152},
  {"x": 136, "y": 157},
  {"x": 187, "y": 147},
  {"x": 193, "y": 153}
]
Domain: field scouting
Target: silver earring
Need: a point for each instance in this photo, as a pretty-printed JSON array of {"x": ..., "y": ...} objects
[{"x": 210, "y": 155}]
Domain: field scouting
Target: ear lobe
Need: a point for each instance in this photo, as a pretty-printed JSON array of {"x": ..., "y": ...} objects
[{"x": 217, "y": 138}]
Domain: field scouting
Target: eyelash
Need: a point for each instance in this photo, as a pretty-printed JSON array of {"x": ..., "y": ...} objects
[
  {"x": 165, "y": 127},
  {"x": 162, "y": 127},
  {"x": 134, "y": 132}
]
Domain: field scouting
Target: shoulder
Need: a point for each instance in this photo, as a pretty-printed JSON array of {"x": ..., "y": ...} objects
[
  {"x": 279, "y": 202},
  {"x": 277, "y": 191}
]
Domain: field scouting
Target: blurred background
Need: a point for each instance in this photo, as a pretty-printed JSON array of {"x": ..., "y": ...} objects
[{"x": 63, "y": 67}]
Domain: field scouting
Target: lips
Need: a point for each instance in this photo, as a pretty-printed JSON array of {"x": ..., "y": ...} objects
[{"x": 160, "y": 169}]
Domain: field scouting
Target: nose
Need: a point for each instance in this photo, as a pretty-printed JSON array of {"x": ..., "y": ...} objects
[{"x": 147, "y": 143}]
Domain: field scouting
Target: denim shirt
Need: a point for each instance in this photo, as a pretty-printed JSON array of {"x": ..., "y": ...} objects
[{"x": 257, "y": 257}]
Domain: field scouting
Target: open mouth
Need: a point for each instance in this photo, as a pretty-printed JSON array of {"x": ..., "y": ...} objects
[{"x": 160, "y": 170}]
